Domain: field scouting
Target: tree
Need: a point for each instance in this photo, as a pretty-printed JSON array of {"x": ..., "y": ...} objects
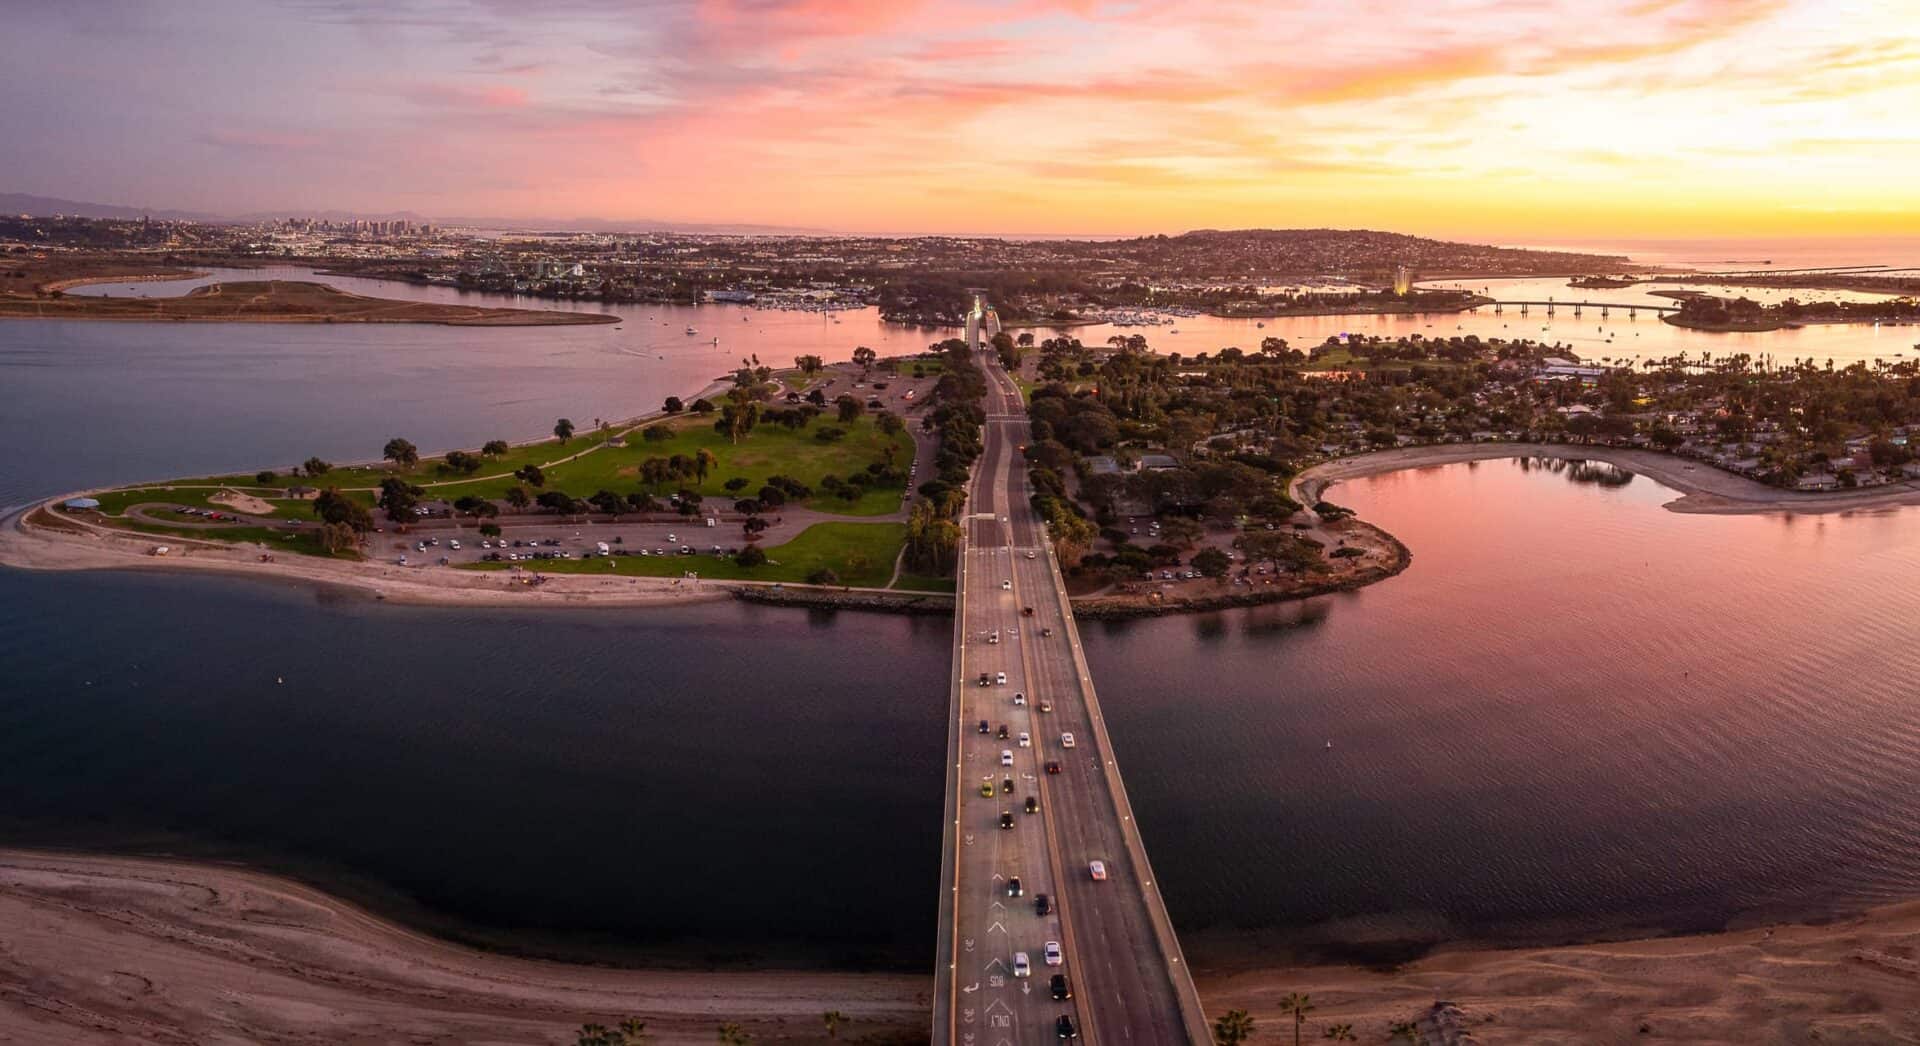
[
  {"x": 461, "y": 461},
  {"x": 673, "y": 405},
  {"x": 863, "y": 357},
  {"x": 517, "y": 497},
  {"x": 703, "y": 406},
  {"x": 634, "y": 1031},
  {"x": 401, "y": 453},
  {"x": 1299, "y": 1005},
  {"x": 493, "y": 448},
  {"x": 703, "y": 463},
  {"x": 1181, "y": 531},
  {"x": 1232, "y": 1028},
  {"x": 824, "y": 576},
  {"x": 489, "y": 530},
  {"x": 656, "y": 433},
  {"x": 889, "y": 423},
  {"x": 1339, "y": 1033},
  {"x": 263, "y": 477},
  {"x": 336, "y": 537},
  {"x": 531, "y": 475},
  {"x": 751, "y": 557},
  {"x": 558, "y": 501},
  {"x": 849, "y": 408},
  {"x": 753, "y": 526},
  {"x": 833, "y": 1018},
  {"x": 1408, "y": 1030},
  {"x": 334, "y": 507},
  {"x": 1211, "y": 562},
  {"x": 399, "y": 499},
  {"x": 809, "y": 365},
  {"x": 563, "y": 429},
  {"x": 736, "y": 484},
  {"x": 316, "y": 467}
]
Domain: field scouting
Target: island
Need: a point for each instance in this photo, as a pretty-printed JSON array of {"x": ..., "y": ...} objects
[{"x": 35, "y": 289}]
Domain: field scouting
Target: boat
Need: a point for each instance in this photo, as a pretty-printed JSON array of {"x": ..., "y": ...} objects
[{"x": 691, "y": 332}]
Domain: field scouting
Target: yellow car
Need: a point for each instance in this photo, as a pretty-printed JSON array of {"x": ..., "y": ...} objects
[{"x": 986, "y": 787}]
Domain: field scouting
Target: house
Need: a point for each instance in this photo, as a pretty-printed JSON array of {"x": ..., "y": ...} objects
[{"x": 1158, "y": 462}]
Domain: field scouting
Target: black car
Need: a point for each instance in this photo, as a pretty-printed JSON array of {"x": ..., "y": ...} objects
[
  {"x": 1062, "y": 988},
  {"x": 1053, "y": 768},
  {"x": 983, "y": 726},
  {"x": 1064, "y": 1028},
  {"x": 1033, "y": 805},
  {"x": 1014, "y": 889},
  {"x": 1042, "y": 904},
  {"x": 983, "y": 679},
  {"x": 1006, "y": 820},
  {"x": 1003, "y": 731}
]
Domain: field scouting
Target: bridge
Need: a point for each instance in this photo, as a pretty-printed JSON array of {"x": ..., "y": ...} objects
[
  {"x": 1127, "y": 979},
  {"x": 1606, "y": 308}
]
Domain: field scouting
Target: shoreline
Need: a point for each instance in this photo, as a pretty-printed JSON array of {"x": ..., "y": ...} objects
[
  {"x": 1703, "y": 488},
  {"x": 102, "y": 948}
]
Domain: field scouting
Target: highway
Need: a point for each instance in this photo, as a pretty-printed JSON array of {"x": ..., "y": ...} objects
[{"x": 1129, "y": 981}]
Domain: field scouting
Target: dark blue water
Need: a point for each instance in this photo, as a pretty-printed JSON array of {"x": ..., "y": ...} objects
[{"x": 722, "y": 782}]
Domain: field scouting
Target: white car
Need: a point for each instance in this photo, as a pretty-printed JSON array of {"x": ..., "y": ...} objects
[
  {"x": 1029, "y": 553},
  {"x": 1066, "y": 740},
  {"x": 1007, "y": 585},
  {"x": 1052, "y": 953},
  {"x": 1021, "y": 967},
  {"x": 1097, "y": 869},
  {"x": 1026, "y": 740},
  {"x": 1019, "y": 699},
  {"x": 999, "y": 679},
  {"x": 1006, "y": 757},
  {"x": 454, "y": 544}
]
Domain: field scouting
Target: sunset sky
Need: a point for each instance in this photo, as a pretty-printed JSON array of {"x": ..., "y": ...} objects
[{"x": 1499, "y": 119}]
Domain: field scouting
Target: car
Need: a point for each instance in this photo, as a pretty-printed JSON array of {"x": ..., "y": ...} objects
[
  {"x": 1014, "y": 889},
  {"x": 1006, "y": 786},
  {"x": 999, "y": 679},
  {"x": 1006, "y": 819},
  {"x": 1003, "y": 732},
  {"x": 1029, "y": 553},
  {"x": 986, "y": 787},
  {"x": 1006, "y": 757},
  {"x": 1033, "y": 804},
  {"x": 984, "y": 680},
  {"x": 1042, "y": 904},
  {"x": 1066, "y": 740},
  {"x": 1053, "y": 767},
  {"x": 994, "y": 637},
  {"x": 1006, "y": 586},
  {"x": 1098, "y": 870},
  {"x": 1019, "y": 699},
  {"x": 1051, "y": 951},
  {"x": 1046, "y": 705},
  {"x": 1047, "y": 631},
  {"x": 983, "y": 726},
  {"x": 1062, "y": 988},
  {"x": 1026, "y": 739},
  {"x": 1021, "y": 967},
  {"x": 1026, "y": 611},
  {"x": 1064, "y": 1027},
  {"x": 454, "y": 544}
]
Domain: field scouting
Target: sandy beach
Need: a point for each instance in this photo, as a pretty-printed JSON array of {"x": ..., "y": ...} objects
[
  {"x": 1703, "y": 487},
  {"x": 99, "y": 949}
]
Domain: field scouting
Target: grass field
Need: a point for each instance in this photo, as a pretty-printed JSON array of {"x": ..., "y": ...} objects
[
  {"x": 861, "y": 553},
  {"x": 769, "y": 450}
]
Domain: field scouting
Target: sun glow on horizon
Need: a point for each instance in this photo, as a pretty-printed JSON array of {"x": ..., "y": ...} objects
[{"x": 1498, "y": 119}]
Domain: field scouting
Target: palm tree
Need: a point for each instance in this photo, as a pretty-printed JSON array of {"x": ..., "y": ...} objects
[
  {"x": 1299, "y": 1005},
  {"x": 732, "y": 1034},
  {"x": 1408, "y": 1030},
  {"x": 1340, "y": 1032},
  {"x": 1233, "y": 1028},
  {"x": 635, "y": 1031},
  {"x": 703, "y": 462},
  {"x": 834, "y": 1019}
]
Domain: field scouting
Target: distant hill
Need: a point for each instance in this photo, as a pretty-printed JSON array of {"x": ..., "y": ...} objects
[{"x": 47, "y": 206}]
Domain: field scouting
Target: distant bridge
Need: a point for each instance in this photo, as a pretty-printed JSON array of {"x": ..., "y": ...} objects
[{"x": 1606, "y": 308}]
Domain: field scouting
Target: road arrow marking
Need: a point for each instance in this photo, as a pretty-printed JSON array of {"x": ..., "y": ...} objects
[
  {"x": 996, "y": 926},
  {"x": 971, "y": 988}
]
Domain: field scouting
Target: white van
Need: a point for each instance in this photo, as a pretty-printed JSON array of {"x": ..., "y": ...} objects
[{"x": 603, "y": 548}]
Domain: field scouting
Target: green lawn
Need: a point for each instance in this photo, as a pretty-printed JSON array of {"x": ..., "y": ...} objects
[
  {"x": 274, "y": 540},
  {"x": 768, "y": 450},
  {"x": 921, "y": 583},
  {"x": 861, "y": 553}
]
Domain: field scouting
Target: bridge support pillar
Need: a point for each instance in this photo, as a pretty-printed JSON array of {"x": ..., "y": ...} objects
[
  {"x": 1523, "y": 310},
  {"x": 1576, "y": 312},
  {"x": 1603, "y": 312},
  {"x": 1496, "y": 308}
]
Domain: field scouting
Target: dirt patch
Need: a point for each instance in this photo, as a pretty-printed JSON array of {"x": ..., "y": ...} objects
[{"x": 246, "y": 503}]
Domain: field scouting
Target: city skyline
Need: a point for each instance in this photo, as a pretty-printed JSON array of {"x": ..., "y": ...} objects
[{"x": 1475, "y": 118}]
